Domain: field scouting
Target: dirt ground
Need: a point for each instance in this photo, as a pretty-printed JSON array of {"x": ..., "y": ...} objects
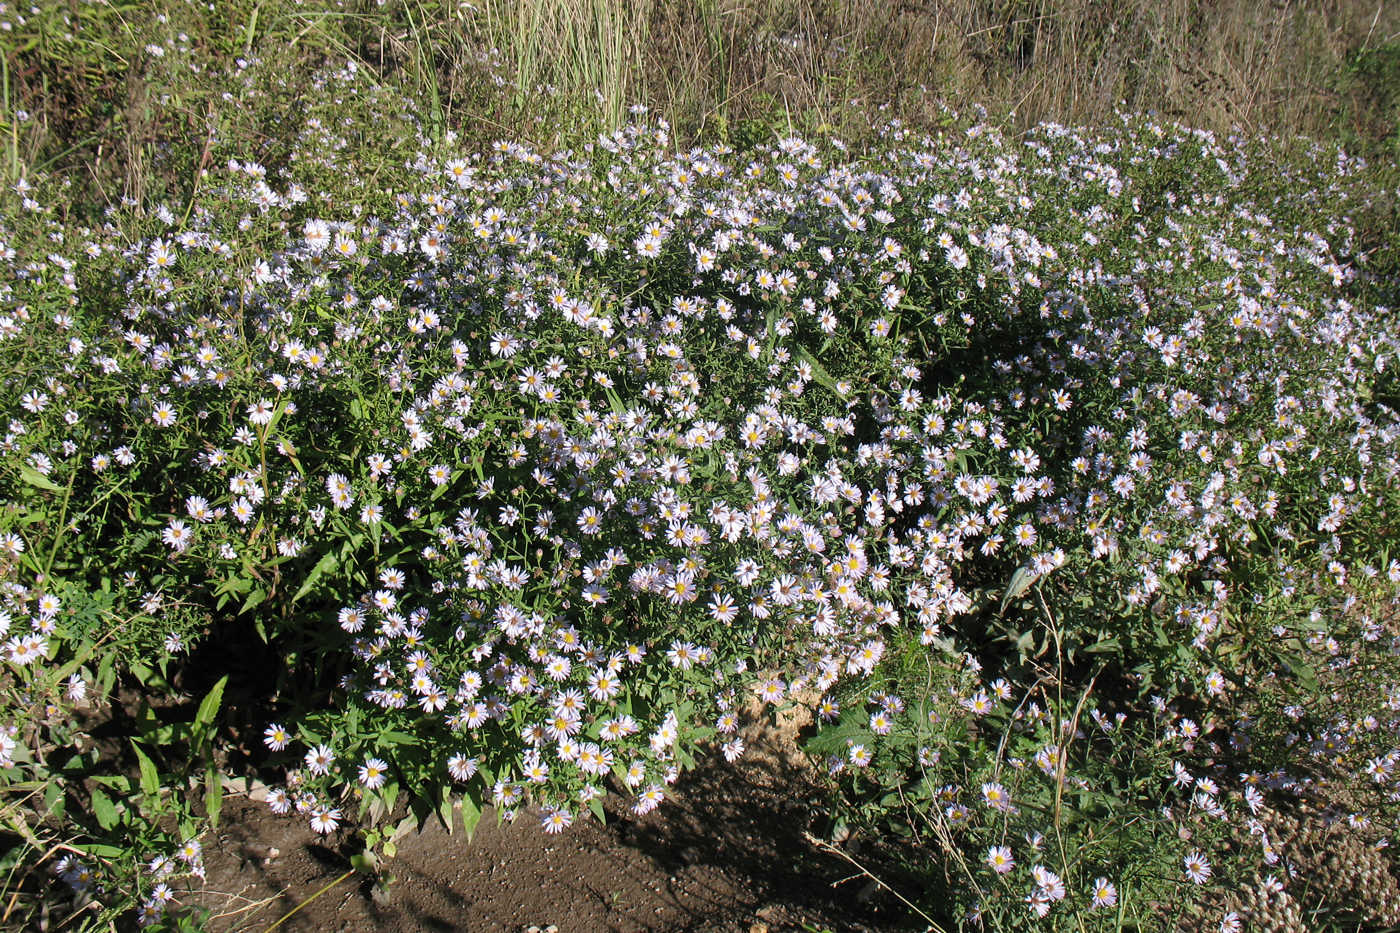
[{"x": 726, "y": 852}]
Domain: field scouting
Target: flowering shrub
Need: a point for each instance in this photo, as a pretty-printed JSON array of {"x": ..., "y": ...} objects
[
  {"x": 1053, "y": 466},
  {"x": 1189, "y": 423}
]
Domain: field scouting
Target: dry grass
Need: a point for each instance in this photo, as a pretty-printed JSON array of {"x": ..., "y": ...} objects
[
  {"x": 1219, "y": 64},
  {"x": 102, "y": 110},
  {"x": 587, "y": 53}
]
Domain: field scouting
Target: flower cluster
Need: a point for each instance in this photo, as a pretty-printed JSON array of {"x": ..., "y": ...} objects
[{"x": 556, "y": 458}]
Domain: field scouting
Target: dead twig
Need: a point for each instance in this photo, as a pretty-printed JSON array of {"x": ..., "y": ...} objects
[{"x": 823, "y": 844}]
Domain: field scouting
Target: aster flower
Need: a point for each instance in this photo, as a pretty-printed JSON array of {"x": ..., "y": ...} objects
[
  {"x": 319, "y": 759},
  {"x": 999, "y": 859},
  {"x": 373, "y": 773},
  {"x": 1197, "y": 867},
  {"x": 555, "y": 820},
  {"x": 324, "y": 820}
]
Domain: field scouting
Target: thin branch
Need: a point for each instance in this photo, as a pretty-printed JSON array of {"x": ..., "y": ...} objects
[{"x": 823, "y": 844}]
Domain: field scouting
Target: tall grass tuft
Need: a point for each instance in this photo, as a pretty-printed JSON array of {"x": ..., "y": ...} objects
[{"x": 585, "y": 55}]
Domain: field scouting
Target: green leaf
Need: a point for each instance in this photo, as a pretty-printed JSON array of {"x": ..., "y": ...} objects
[
  {"x": 150, "y": 778},
  {"x": 55, "y": 803},
  {"x": 409, "y": 823},
  {"x": 213, "y": 795},
  {"x": 83, "y": 654},
  {"x": 420, "y": 810},
  {"x": 104, "y": 809},
  {"x": 852, "y": 727},
  {"x": 209, "y": 707},
  {"x": 819, "y": 373},
  {"x": 1021, "y": 581},
  {"x": 444, "y": 809},
  {"x": 233, "y": 585},
  {"x": 254, "y": 600},
  {"x": 1105, "y": 646},
  {"x": 1305, "y": 672},
  {"x": 471, "y": 815},
  {"x": 34, "y": 478},
  {"x": 614, "y": 402},
  {"x": 328, "y": 560},
  {"x": 121, "y": 782},
  {"x": 770, "y": 327}
]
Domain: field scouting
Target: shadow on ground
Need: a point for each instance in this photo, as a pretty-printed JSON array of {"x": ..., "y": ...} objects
[{"x": 727, "y": 852}]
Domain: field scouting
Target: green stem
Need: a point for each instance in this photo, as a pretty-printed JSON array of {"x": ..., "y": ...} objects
[
  {"x": 62, "y": 519},
  {"x": 14, "y": 123}
]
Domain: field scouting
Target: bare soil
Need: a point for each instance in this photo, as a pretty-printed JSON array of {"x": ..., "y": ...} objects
[{"x": 726, "y": 852}]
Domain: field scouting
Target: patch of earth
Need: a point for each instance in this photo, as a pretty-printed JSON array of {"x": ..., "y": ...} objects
[{"x": 727, "y": 851}]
